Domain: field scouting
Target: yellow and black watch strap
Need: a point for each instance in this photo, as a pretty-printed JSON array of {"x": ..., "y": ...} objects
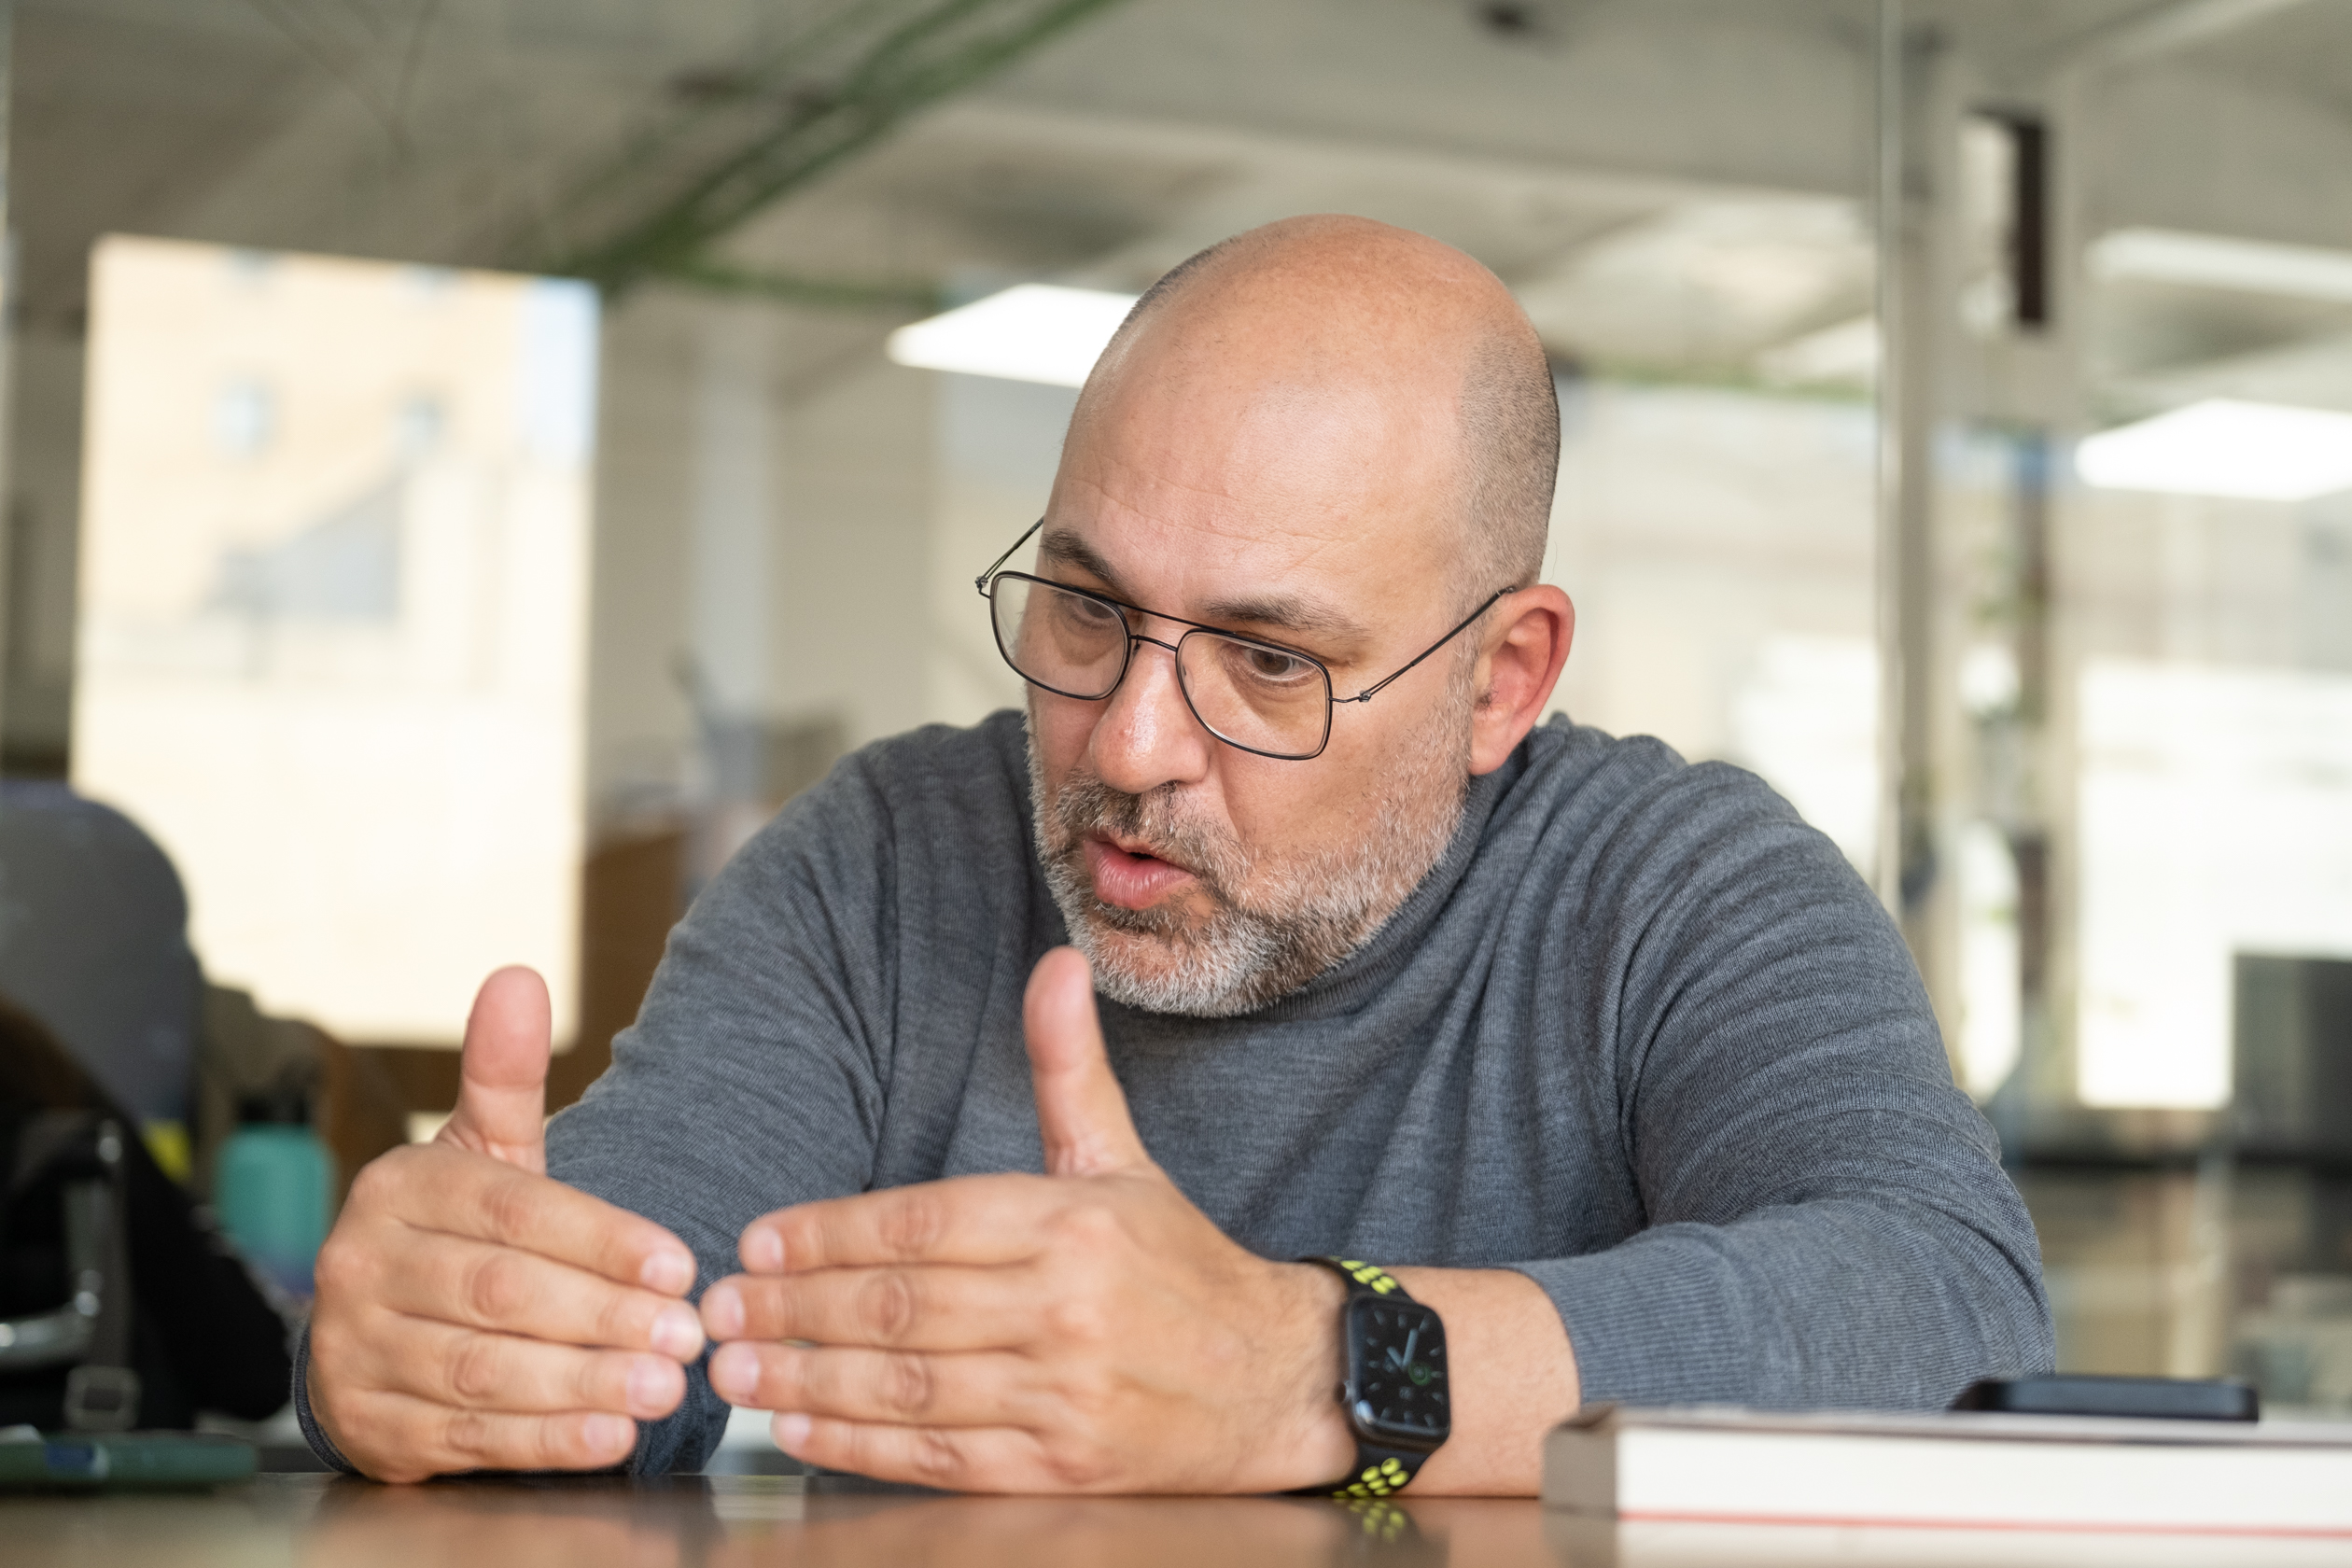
[
  {"x": 1363, "y": 1276},
  {"x": 1379, "y": 1471}
]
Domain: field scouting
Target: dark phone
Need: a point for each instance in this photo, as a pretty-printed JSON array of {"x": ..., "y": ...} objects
[
  {"x": 2159, "y": 1398},
  {"x": 85, "y": 1460}
]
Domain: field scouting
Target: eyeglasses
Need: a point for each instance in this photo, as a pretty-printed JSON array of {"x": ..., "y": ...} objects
[{"x": 1254, "y": 695}]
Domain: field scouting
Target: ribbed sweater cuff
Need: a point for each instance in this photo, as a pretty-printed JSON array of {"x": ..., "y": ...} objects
[{"x": 314, "y": 1434}]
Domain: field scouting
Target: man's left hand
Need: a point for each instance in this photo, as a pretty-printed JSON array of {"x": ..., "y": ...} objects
[{"x": 1088, "y": 1330}]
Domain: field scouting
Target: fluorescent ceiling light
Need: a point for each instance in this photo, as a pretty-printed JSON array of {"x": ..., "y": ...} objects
[
  {"x": 1035, "y": 332},
  {"x": 2211, "y": 262},
  {"x": 2264, "y": 452}
]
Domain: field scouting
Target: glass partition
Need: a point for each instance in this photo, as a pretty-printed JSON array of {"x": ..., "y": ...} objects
[
  {"x": 334, "y": 563},
  {"x": 2135, "y": 913}
]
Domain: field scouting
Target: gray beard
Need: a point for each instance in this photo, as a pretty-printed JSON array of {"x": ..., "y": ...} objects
[{"x": 1301, "y": 917}]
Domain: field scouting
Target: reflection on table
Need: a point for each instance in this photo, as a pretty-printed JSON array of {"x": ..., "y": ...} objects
[{"x": 739, "y": 1521}]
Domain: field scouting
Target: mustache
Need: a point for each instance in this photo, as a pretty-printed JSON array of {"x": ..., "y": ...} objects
[{"x": 1085, "y": 806}]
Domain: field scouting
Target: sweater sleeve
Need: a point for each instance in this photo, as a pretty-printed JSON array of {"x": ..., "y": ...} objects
[
  {"x": 1827, "y": 1220},
  {"x": 754, "y": 1076}
]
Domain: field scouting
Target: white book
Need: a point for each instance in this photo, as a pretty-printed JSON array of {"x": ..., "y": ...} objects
[{"x": 1964, "y": 1470}]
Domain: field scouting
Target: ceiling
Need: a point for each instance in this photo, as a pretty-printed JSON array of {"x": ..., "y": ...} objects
[{"x": 1667, "y": 183}]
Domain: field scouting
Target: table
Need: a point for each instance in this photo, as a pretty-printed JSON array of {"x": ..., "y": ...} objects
[{"x": 772, "y": 1521}]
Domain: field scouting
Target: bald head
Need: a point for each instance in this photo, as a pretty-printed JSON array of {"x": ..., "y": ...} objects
[{"x": 1334, "y": 310}]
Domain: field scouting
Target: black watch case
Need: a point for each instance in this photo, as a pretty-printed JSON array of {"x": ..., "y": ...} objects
[{"x": 1395, "y": 1394}]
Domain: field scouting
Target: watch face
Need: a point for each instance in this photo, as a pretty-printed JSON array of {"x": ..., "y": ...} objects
[{"x": 1396, "y": 1366}]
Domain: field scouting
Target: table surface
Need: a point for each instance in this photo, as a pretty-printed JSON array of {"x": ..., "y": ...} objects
[{"x": 738, "y": 1522}]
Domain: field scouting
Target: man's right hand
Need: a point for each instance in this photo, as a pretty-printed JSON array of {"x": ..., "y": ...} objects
[{"x": 473, "y": 1314}]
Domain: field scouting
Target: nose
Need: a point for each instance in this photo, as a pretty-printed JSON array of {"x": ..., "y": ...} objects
[{"x": 1147, "y": 736}]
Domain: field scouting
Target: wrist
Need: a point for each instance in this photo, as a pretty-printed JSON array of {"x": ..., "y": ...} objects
[
  {"x": 309, "y": 1413},
  {"x": 1311, "y": 1442}
]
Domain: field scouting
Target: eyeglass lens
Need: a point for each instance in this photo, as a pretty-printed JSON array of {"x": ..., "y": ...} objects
[{"x": 1247, "y": 693}]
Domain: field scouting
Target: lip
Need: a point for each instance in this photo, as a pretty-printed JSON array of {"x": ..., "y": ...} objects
[{"x": 1132, "y": 878}]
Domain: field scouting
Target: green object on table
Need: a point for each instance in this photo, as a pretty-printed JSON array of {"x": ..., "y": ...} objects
[
  {"x": 88, "y": 1461},
  {"x": 270, "y": 1190}
]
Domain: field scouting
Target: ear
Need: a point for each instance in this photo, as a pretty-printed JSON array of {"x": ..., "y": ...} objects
[{"x": 1519, "y": 662}]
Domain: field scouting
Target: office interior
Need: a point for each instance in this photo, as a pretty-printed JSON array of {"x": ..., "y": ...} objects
[{"x": 468, "y": 462}]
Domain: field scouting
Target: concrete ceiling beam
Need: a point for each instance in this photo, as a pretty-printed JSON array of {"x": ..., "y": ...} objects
[{"x": 2161, "y": 31}]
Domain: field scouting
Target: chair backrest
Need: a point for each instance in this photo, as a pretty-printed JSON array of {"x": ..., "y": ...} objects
[{"x": 93, "y": 943}]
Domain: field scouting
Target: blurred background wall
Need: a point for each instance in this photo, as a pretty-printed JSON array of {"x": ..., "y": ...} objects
[{"x": 460, "y": 480}]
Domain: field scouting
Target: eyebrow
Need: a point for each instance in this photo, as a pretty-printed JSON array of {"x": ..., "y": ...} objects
[{"x": 1292, "y": 613}]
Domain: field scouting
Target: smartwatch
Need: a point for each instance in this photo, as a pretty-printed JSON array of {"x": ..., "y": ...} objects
[{"x": 1394, "y": 1392}]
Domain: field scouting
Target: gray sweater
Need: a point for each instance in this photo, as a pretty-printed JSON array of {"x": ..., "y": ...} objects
[{"x": 1641, "y": 1035}]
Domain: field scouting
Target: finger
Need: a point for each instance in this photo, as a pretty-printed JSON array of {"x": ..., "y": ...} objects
[
  {"x": 1082, "y": 1113},
  {"x": 970, "y": 1459},
  {"x": 906, "y": 1387},
  {"x": 502, "y": 1085},
  {"x": 446, "y": 1190},
  {"x": 963, "y": 1219},
  {"x": 936, "y": 1308},
  {"x": 445, "y": 1365},
  {"x": 478, "y": 1284},
  {"x": 437, "y": 1439}
]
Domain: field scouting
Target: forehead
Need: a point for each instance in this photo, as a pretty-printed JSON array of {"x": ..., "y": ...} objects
[
  {"x": 1311, "y": 611},
  {"x": 1336, "y": 503}
]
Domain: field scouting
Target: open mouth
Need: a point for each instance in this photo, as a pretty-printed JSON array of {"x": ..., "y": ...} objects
[{"x": 1129, "y": 876}]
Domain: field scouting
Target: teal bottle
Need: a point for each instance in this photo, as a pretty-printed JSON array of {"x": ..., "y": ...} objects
[{"x": 272, "y": 1186}]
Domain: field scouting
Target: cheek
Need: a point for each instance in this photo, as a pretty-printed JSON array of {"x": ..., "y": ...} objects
[
  {"x": 1353, "y": 782},
  {"x": 1276, "y": 808},
  {"x": 1060, "y": 730}
]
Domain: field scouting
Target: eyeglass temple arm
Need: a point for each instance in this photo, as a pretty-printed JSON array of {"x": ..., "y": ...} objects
[
  {"x": 1379, "y": 686},
  {"x": 981, "y": 581}
]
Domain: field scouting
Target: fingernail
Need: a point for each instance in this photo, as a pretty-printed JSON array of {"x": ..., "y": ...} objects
[
  {"x": 791, "y": 1430},
  {"x": 735, "y": 1373},
  {"x": 610, "y": 1435},
  {"x": 763, "y": 1252},
  {"x": 650, "y": 1385},
  {"x": 671, "y": 1273},
  {"x": 678, "y": 1333},
  {"x": 722, "y": 1311}
]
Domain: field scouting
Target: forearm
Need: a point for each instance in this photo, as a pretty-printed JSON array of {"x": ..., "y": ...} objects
[{"x": 1837, "y": 1303}]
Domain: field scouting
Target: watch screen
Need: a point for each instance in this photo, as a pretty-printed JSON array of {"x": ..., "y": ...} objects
[{"x": 1399, "y": 1362}]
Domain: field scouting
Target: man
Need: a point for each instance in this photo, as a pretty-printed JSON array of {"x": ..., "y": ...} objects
[{"x": 1606, "y": 1059}]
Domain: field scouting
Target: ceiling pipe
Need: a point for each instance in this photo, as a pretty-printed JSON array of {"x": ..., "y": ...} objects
[{"x": 658, "y": 208}]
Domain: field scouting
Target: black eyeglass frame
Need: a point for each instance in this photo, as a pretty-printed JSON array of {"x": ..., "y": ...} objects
[{"x": 986, "y": 583}]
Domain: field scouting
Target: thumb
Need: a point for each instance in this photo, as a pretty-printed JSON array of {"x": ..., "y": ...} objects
[
  {"x": 1082, "y": 1114},
  {"x": 502, "y": 1090}
]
